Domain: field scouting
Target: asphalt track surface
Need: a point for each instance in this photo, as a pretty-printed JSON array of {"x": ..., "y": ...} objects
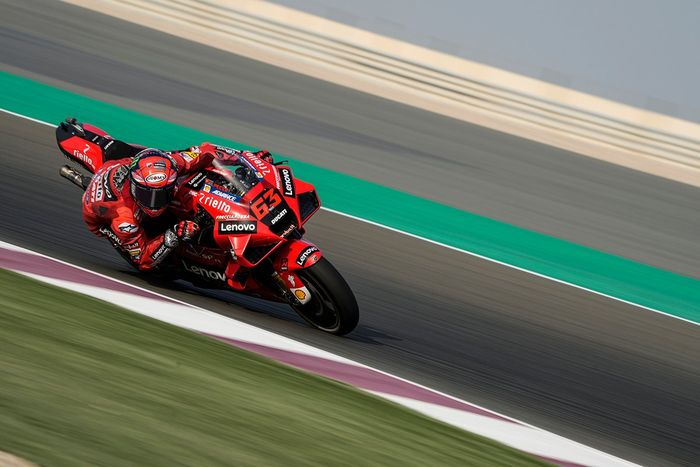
[
  {"x": 598, "y": 371},
  {"x": 534, "y": 186}
]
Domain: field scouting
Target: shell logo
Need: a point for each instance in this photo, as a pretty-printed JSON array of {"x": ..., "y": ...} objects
[{"x": 300, "y": 294}]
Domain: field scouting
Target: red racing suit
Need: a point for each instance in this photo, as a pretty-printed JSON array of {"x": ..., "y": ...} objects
[{"x": 110, "y": 211}]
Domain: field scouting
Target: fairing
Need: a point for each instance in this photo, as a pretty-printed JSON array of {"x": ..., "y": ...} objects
[
  {"x": 248, "y": 210},
  {"x": 90, "y": 146}
]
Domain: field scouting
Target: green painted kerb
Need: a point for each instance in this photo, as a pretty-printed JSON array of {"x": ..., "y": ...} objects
[{"x": 559, "y": 259}]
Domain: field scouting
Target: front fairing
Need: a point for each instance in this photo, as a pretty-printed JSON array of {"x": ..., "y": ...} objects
[
  {"x": 249, "y": 210},
  {"x": 246, "y": 211}
]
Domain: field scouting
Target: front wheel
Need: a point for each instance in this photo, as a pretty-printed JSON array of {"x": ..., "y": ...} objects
[{"x": 332, "y": 307}]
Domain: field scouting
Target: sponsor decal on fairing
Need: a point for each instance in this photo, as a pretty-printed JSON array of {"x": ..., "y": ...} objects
[
  {"x": 223, "y": 194},
  {"x": 229, "y": 151},
  {"x": 288, "y": 230},
  {"x": 197, "y": 180},
  {"x": 205, "y": 273},
  {"x": 287, "y": 182},
  {"x": 84, "y": 157},
  {"x": 207, "y": 200},
  {"x": 304, "y": 255},
  {"x": 260, "y": 164},
  {"x": 189, "y": 156},
  {"x": 279, "y": 216},
  {"x": 302, "y": 294},
  {"x": 237, "y": 227},
  {"x": 232, "y": 216}
]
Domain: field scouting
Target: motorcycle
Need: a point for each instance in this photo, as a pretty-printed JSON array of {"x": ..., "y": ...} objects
[{"x": 251, "y": 215}]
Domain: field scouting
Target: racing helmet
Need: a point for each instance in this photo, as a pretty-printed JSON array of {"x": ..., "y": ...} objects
[{"x": 153, "y": 175}]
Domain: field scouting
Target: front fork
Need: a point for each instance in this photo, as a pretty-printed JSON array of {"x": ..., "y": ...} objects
[
  {"x": 280, "y": 271},
  {"x": 288, "y": 284},
  {"x": 294, "y": 256}
]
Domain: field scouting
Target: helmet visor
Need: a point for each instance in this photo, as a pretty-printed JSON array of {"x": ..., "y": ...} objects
[{"x": 152, "y": 198}]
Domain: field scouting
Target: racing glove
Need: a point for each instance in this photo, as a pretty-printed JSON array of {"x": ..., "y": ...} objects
[
  {"x": 182, "y": 231},
  {"x": 186, "y": 230}
]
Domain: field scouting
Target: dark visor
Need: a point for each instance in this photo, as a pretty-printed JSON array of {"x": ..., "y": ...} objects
[{"x": 152, "y": 198}]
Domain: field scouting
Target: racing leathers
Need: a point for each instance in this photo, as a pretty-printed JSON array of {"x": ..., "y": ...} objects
[{"x": 110, "y": 211}]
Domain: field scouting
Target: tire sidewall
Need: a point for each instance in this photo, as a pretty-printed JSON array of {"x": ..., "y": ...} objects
[{"x": 324, "y": 275}]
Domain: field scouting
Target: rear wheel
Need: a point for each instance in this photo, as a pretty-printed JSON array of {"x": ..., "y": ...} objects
[{"x": 332, "y": 307}]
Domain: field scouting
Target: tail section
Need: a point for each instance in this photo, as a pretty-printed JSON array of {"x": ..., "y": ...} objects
[
  {"x": 90, "y": 146},
  {"x": 82, "y": 145}
]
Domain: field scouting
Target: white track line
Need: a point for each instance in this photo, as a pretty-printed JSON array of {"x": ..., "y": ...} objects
[
  {"x": 518, "y": 434},
  {"x": 453, "y": 248}
]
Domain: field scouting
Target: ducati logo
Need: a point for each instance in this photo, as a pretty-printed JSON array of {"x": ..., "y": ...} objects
[{"x": 279, "y": 216}]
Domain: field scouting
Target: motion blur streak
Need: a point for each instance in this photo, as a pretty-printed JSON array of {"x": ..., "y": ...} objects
[
  {"x": 530, "y": 349},
  {"x": 579, "y": 365},
  {"x": 448, "y": 409}
]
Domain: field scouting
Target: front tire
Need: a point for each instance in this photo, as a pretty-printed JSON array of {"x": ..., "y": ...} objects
[{"x": 332, "y": 307}]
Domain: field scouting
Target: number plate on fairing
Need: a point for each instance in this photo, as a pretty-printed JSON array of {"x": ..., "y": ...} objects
[{"x": 273, "y": 211}]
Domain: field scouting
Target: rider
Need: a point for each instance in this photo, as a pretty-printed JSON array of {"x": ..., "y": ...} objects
[{"x": 122, "y": 191}]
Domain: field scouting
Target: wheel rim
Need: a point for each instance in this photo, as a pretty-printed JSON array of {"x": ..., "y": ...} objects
[{"x": 321, "y": 310}]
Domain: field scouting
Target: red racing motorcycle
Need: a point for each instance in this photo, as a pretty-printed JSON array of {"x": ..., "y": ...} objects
[{"x": 251, "y": 215}]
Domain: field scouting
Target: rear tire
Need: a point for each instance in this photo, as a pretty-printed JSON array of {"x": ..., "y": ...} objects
[{"x": 332, "y": 307}]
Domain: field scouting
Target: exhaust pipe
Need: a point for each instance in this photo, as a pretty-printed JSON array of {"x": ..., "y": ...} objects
[{"x": 74, "y": 176}]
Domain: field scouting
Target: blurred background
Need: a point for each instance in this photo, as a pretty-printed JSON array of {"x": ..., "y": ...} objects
[
  {"x": 547, "y": 151},
  {"x": 640, "y": 52}
]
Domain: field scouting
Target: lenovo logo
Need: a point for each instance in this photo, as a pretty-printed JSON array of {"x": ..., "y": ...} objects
[
  {"x": 206, "y": 273},
  {"x": 287, "y": 183},
  {"x": 236, "y": 227},
  {"x": 107, "y": 232},
  {"x": 304, "y": 255}
]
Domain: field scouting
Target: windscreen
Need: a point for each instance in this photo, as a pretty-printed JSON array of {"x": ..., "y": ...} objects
[
  {"x": 269, "y": 207},
  {"x": 237, "y": 177}
]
